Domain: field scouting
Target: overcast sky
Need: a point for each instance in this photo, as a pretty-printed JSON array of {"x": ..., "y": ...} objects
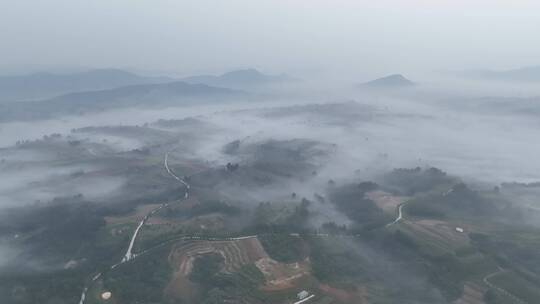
[{"x": 298, "y": 36}]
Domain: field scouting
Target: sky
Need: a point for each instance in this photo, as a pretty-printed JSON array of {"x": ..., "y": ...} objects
[{"x": 297, "y": 36}]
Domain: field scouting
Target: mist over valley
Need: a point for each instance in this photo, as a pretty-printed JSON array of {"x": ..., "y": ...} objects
[{"x": 269, "y": 152}]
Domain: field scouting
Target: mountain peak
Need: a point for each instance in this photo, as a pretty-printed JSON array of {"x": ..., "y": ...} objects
[
  {"x": 249, "y": 71},
  {"x": 239, "y": 78},
  {"x": 244, "y": 75},
  {"x": 394, "y": 80}
]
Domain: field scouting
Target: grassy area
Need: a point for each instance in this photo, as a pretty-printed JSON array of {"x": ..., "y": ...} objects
[
  {"x": 142, "y": 280},
  {"x": 447, "y": 269},
  {"x": 517, "y": 286},
  {"x": 59, "y": 287},
  {"x": 284, "y": 248},
  {"x": 336, "y": 261}
]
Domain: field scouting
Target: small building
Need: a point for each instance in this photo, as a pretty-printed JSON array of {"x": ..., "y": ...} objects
[
  {"x": 302, "y": 295},
  {"x": 106, "y": 295},
  {"x": 459, "y": 229}
]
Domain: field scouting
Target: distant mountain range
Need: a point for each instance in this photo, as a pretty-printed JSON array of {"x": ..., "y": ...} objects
[
  {"x": 47, "y": 85},
  {"x": 147, "y": 95},
  {"x": 240, "y": 79},
  {"x": 391, "y": 81},
  {"x": 44, "y": 85},
  {"x": 526, "y": 74}
]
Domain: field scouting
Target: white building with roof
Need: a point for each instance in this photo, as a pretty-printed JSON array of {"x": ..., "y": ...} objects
[{"x": 302, "y": 295}]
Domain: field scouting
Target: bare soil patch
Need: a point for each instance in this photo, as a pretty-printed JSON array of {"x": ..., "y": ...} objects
[
  {"x": 281, "y": 275},
  {"x": 385, "y": 200}
]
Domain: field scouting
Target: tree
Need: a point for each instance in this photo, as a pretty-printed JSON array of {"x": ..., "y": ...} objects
[{"x": 232, "y": 167}]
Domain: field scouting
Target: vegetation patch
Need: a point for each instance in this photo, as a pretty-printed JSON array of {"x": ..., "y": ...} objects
[{"x": 284, "y": 248}]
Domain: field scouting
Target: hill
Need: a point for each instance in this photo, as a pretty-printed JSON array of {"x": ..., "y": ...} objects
[
  {"x": 48, "y": 85},
  {"x": 395, "y": 80},
  {"x": 239, "y": 78},
  {"x": 147, "y": 95}
]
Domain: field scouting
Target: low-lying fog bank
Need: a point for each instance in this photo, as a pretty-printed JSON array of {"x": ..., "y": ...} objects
[
  {"x": 41, "y": 182},
  {"x": 73, "y": 191},
  {"x": 378, "y": 137},
  {"x": 370, "y": 133}
]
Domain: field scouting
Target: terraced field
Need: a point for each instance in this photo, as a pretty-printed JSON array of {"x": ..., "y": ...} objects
[{"x": 235, "y": 254}]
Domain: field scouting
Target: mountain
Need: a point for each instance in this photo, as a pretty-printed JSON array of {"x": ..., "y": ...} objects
[
  {"x": 239, "y": 78},
  {"x": 391, "y": 81},
  {"x": 47, "y": 85},
  {"x": 525, "y": 74},
  {"x": 147, "y": 95}
]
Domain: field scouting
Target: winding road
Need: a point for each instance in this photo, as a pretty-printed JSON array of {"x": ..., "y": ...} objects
[
  {"x": 171, "y": 173},
  {"x": 400, "y": 215},
  {"x": 486, "y": 278},
  {"x": 129, "y": 255}
]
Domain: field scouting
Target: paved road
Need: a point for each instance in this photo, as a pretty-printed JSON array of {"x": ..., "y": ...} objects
[
  {"x": 129, "y": 255},
  {"x": 487, "y": 277},
  {"x": 400, "y": 215},
  {"x": 304, "y": 300},
  {"x": 400, "y": 209},
  {"x": 171, "y": 173}
]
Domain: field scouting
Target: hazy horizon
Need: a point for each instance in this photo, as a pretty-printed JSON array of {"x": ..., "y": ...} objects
[
  {"x": 360, "y": 39},
  {"x": 270, "y": 151}
]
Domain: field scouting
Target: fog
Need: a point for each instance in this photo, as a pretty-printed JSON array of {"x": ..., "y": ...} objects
[
  {"x": 14, "y": 131},
  {"x": 486, "y": 147},
  {"x": 478, "y": 145},
  {"x": 343, "y": 39},
  {"x": 42, "y": 182},
  {"x": 369, "y": 132},
  {"x": 305, "y": 107}
]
